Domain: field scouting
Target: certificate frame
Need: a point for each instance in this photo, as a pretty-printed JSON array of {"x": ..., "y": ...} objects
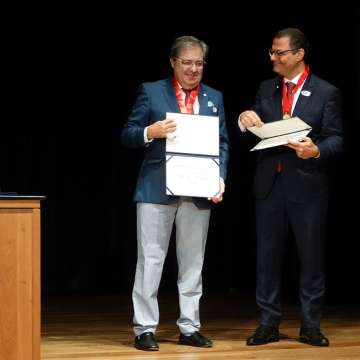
[
  {"x": 196, "y": 176},
  {"x": 192, "y": 156}
]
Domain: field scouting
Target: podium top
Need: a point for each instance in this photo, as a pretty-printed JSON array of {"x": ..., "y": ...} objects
[{"x": 9, "y": 196}]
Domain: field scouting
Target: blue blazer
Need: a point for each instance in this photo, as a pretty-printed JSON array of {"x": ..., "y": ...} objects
[
  {"x": 154, "y": 100},
  {"x": 319, "y": 106}
]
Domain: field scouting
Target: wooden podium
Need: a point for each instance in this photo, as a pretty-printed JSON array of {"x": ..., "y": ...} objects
[{"x": 20, "y": 277}]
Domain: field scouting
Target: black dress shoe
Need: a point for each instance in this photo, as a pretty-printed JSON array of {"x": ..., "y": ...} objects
[
  {"x": 195, "y": 339},
  {"x": 313, "y": 336},
  {"x": 146, "y": 341},
  {"x": 263, "y": 335}
]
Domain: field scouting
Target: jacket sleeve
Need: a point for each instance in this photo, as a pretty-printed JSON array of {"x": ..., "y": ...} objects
[
  {"x": 330, "y": 140},
  {"x": 133, "y": 131},
  {"x": 257, "y": 103}
]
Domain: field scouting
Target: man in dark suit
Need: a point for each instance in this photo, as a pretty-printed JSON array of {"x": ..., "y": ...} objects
[
  {"x": 290, "y": 185},
  {"x": 148, "y": 127}
]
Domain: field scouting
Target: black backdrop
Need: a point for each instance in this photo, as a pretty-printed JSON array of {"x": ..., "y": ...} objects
[{"x": 70, "y": 91}]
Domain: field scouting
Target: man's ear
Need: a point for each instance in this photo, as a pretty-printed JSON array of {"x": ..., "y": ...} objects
[
  {"x": 172, "y": 61},
  {"x": 300, "y": 55}
]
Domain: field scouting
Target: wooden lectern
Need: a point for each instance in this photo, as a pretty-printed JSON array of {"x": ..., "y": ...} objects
[{"x": 20, "y": 277}]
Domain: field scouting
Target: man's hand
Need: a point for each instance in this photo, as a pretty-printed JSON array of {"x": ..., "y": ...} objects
[
  {"x": 218, "y": 198},
  {"x": 160, "y": 129},
  {"x": 304, "y": 147},
  {"x": 249, "y": 118}
]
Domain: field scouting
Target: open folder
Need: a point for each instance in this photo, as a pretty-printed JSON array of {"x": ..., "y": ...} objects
[
  {"x": 192, "y": 156},
  {"x": 279, "y": 132}
]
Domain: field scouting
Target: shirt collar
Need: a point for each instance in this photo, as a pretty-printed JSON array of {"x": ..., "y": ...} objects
[{"x": 294, "y": 80}]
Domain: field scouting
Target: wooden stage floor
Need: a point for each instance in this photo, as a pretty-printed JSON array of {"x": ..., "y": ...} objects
[{"x": 93, "y": 328}]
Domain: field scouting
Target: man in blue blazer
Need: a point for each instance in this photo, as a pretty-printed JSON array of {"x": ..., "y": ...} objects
[
  {"x": 291, "y": 185},
  {"x": 148, "y": 127}
]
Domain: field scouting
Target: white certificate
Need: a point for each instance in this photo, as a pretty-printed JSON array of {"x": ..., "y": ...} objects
[
  {"x": 279, "y": 132},
  {"x": 192, "y": 176},
  {"x": 195, "y": 134}
]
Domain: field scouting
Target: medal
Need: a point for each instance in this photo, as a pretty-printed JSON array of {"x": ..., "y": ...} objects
[
  {"x": 286, "y": 116},
  {"x": 287, "y": 99}
]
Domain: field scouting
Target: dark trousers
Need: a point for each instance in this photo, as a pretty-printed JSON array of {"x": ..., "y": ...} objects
[{"x": 274, "y": 216}]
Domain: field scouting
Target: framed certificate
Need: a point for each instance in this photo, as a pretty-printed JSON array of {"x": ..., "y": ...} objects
[
  {"x": 192, "y": 156},
  {"x": 197, "y": 176}
]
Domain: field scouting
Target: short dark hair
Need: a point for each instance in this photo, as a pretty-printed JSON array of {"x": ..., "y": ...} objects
[
  {"x": 185, "y": 42},
  {"x": 297, "y": 38}
]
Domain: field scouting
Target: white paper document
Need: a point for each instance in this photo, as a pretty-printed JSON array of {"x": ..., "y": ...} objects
[
  {"x": 279, "y": 132},
  {"x": 195, "y": 134},
  {"x": 192, "y": 176}
]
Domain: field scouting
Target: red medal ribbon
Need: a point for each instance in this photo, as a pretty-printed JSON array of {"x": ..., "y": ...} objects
[
  {"x": 287, "y": 101},
  {"x": 189, "y": 107}
]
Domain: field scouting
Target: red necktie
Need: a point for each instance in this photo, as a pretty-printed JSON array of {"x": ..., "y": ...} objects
[
  {"x": 289, "y": 87},
  {"x": 187, "y": 96}
]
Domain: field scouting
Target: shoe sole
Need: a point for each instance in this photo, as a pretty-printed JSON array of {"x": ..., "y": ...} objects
[
  {"x": 264, "y": 343},
  {"x": 191, "y": 344},
  {"x": 305, "y": 341},
  {"x": 146, "y": 349}
]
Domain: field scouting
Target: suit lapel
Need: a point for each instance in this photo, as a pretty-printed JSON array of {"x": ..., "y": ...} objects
[
  {"x": 303, "y": 101},
  {"x": 203, "y": 99},
  {"x": 170, "y": 96},
  {"x": 278, "y": 99}
]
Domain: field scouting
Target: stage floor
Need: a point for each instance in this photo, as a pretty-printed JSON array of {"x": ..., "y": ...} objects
[{"x": 92, "y": 328}]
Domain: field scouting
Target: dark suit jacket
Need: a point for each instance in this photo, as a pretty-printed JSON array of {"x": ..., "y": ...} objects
[
  {"x": 154, "y": 100},
  {"x": 303, "y": 179}
]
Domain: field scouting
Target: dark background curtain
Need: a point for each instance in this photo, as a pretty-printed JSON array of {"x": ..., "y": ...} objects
[{"x": 70, "y": 91}]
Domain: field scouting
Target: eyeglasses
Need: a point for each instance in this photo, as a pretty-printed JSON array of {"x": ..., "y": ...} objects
[
  {"x": 279, "y": 53},
  {"x": 190, "y": 63}
]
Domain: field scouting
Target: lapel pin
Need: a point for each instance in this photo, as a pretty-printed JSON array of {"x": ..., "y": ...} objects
[{"x": 306, "y": 93}]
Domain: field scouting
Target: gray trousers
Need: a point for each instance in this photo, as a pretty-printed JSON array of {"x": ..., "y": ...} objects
[{"x": 154, "y": 226}]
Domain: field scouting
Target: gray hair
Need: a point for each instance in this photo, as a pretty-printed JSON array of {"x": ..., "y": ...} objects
[{"x": 187, "y": 42}]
